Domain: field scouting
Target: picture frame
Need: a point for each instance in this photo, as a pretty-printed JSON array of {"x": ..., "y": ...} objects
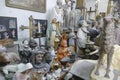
[
  {"x": 32, "y": 5},
  {"x": 80, "y": 3},
  {"x": 42, "y": 27},
  {"x": 8, "y": 28}
]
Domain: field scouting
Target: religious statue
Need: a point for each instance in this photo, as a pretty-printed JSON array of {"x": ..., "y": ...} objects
[
  {"x": 58, "y": 12},
  {"x": 40, "y": 67},
  {"x": 32, "y": 43},
  {"x": 66, "y": 11},
  {"x": 107, "y": 41},
  {"x": 52, "y": 31},
  {"x": 74, "y": 15},
  {"x": 63, "y": 51},
  {"x": 71, "y": 40},
  {"x": 55, "y": 71},
  {"x": 82, "y": 35},
  {"x": 25, "y": 53}
]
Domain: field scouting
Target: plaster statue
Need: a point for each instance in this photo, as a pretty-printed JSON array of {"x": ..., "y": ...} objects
[
  {"x": 52, "y": 31},
  {"x": 82, "y": 35},
  {"x": 40, "y": 67},
  {"x": 66, "y": 11},
  {"x": 106, "y": 43},
  {"x": 57, "y": 12},
  {"x": 63, "y": 51},
  {"x": 32, "y": 44},
  {"x": 25, "y": 53},
  {"x": 74, "y": 15},
  {"x": 72, "y": 40}
]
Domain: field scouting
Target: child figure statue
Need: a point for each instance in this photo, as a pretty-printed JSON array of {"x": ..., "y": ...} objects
[{"x": 63, "y": 51}]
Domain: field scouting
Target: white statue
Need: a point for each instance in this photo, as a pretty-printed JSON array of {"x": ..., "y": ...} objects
[
  {"x": 82, "y": 35},
  {"x": 66, "y": 11},
  {"x": 52, "y": 31},
  {"x": 57, "y": 12},
  {"x": 74, "y": 15}
]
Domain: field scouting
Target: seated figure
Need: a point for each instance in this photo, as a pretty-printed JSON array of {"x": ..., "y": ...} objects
[
  {"x": 63, "y": 51},
  {"x": 82, "y": 36}
]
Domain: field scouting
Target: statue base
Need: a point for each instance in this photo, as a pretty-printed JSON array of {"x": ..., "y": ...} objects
[{"x": 102, "y": 71}]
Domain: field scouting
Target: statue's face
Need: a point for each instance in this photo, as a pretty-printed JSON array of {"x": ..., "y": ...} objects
[
  {"x": 54, "y": 20},
  {"x": 25, "y": 42},
  {"x": 64, "y": 43},
  {"x": 74, "y": 4},
  {"x": 59, "y": 3},
  {"x": 32, "y": 43},
  {"x": 39, "y": 58},
  {"x": 68, "y": 2}
]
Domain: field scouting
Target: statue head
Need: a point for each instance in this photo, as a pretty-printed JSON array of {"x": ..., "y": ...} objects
[
  {"x": 59, "y": 3},
  {"x": 32, "y": 43},
  {"x": 63, "y": 43},
  {"x": 73, "y": 2},
  {"x": 25, "y": 43},
  {"x": 84, "y": 23},
  {"x": 38, "y": 56},
  {"x": 54, "y": 20},
  {"x": 68, "y": 2}
]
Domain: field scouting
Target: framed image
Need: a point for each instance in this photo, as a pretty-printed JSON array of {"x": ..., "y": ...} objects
[
  {"x": 80, "y": 3},
  {"x": 42, "y": 27},
  {"x": 8, "y": 28},
  {"x": 33, "y": 5}
]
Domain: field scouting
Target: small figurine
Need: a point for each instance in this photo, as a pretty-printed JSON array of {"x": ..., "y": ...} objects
[
  {"x": 52, "y": 31},
  {"x": 66, "y": 11},
  {"x": 25, "y": 53},
  {"x": 32, "y": 43},
  {"x": 63, "y": 51},
  {"x": 82, "y": 36},
  {"x": 57, "y": 12},
  {"x": 72, "y": 41}
]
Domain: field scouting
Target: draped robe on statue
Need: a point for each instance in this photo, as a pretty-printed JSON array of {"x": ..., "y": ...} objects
[
  {"x": 52, "y": 32},
  {"x": 66, "y": 11},
  {"x": 58, "y": 14},
  {"x": 74, "y": 17},
  {"x": 82, "y": 37}
]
